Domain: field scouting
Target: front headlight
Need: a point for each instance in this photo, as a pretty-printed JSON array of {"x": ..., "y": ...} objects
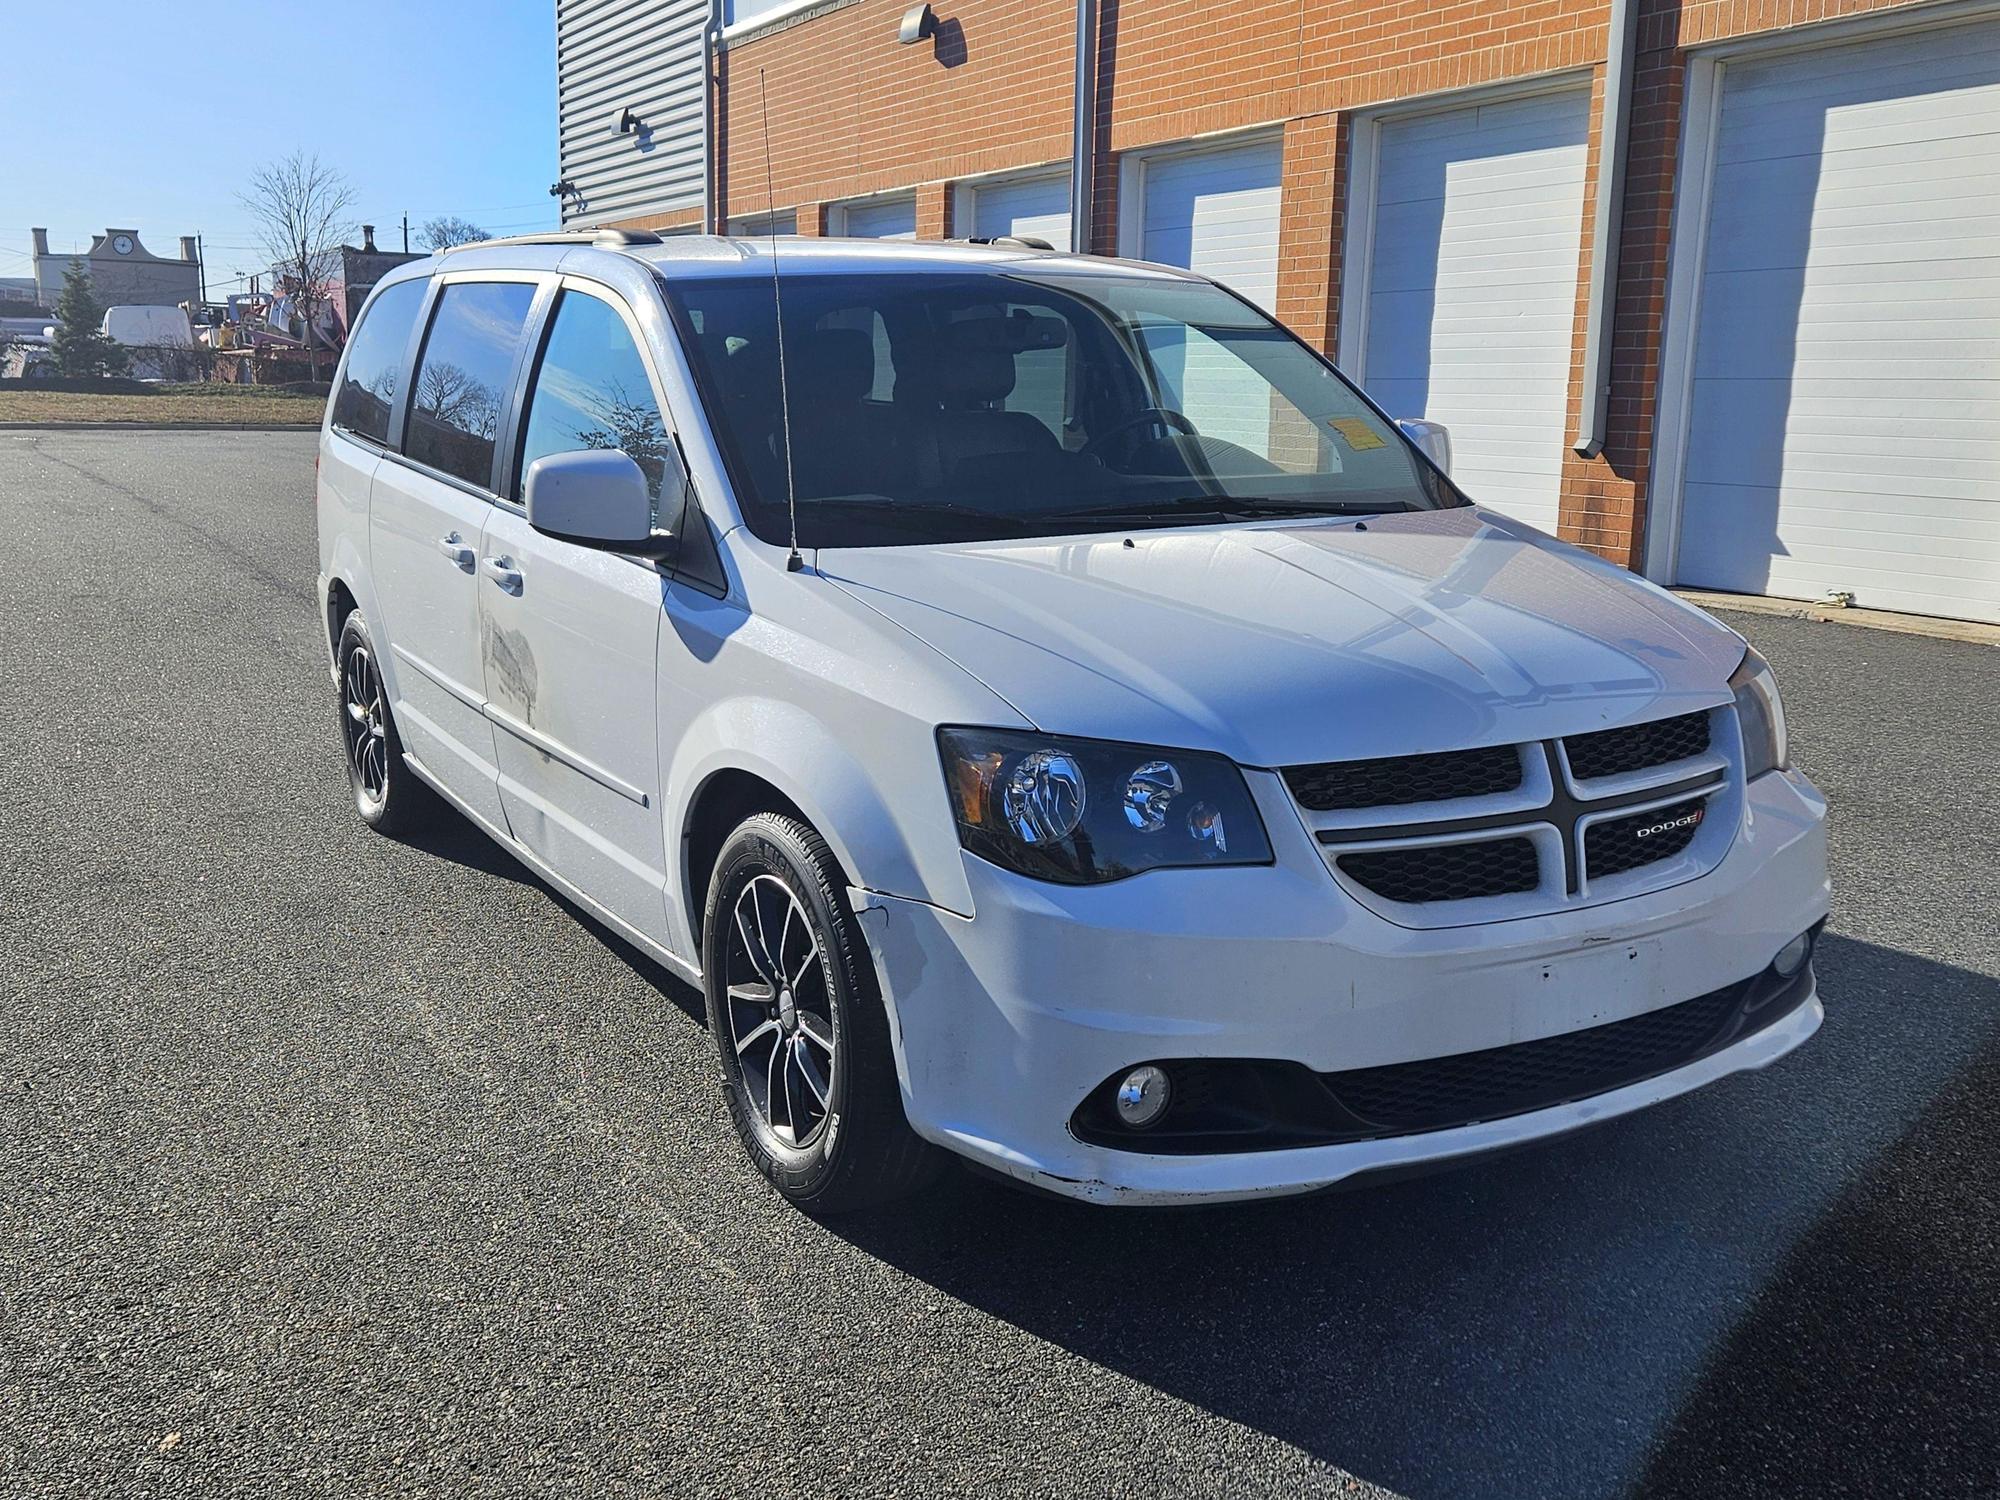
[
  {"x": 1086, "y": 811},
  {"x": 1761, "y": 713}
]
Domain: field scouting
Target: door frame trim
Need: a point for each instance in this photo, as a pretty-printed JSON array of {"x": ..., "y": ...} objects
[
  {"x": 1350, "y": 347},
  {"x": 1687, "y": 243}
]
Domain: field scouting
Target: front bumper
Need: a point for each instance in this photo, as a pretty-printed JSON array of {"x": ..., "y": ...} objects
[{"x": 1004, "y": 1023}]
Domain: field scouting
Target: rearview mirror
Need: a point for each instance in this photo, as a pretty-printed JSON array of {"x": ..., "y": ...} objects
[
  {"x": 1433, "y": 437},
  {"x": 598, "y": 497}
]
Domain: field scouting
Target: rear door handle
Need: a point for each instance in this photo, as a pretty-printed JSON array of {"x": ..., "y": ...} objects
[
  {"x": 503, "y": 572},
  {"x": 454, "y": 547}
]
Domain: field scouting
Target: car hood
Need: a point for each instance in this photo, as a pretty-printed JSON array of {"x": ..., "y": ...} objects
[{"x": 1283, "y": 642}]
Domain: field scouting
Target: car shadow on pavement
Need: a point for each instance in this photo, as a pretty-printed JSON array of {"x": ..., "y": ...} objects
[
  {"x": 462, "y": 842},
  {"x": 1533, "y": 1324},
  {"x": 1892, "y": 1297}
]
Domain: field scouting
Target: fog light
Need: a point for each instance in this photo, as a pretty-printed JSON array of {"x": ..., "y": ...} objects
[
  {"x": 1143, "y": 1096},
  {"x": 1792, "y": 957}
]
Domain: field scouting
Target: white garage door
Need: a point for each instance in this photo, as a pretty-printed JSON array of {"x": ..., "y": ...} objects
[
  {"x": 1037, "y": 206},
  {"x": 785, "y": 221},
  {"x": 1216, "y": 211},
  {"x": 1844, "y": 420},
  {"x": 882, "y": 219},
  {"x": 1472, "y": 285}
]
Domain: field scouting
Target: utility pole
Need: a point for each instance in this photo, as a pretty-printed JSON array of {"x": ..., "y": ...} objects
[
  {"x": 406, "y": 231},
  {"x": 201, "y": 268}
]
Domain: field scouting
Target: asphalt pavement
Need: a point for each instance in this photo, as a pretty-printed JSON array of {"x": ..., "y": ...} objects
[{"x": 334, "y": 1165}]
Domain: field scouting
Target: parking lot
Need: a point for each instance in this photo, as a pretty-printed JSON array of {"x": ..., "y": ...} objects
[{"x": 341, "y": 1165}]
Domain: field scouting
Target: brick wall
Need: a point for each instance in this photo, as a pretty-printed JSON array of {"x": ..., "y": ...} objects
[{"x": 853, "y": 113}]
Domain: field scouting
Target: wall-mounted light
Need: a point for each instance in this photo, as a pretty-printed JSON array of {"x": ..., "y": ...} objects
[
  {"x": 919, "y": 22},
  {"x": 629, "y": 123},
  {"x": 561, "y": 189}
]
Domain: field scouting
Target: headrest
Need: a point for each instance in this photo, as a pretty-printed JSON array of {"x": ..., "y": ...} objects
[
  {"x": 836, "y": 364},
  {"x": 748, "y": 370},
  {"x": 975, "y": 375}
]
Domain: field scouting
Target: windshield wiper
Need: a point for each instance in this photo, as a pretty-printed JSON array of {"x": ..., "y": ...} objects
[{"x": 1224, "y": 507}]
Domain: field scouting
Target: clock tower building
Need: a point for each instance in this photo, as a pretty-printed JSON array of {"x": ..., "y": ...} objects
[{"x": 123, "y": 272}]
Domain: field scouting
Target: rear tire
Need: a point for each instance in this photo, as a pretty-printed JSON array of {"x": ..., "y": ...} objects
[
  {"x": 800, "y": 1028},
  {"x": 390, "y": 797}
]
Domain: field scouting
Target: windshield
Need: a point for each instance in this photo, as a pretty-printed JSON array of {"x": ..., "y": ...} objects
[{"x": 928, "y": 407}]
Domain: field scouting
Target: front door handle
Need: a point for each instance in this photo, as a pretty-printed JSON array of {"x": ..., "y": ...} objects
[
  {"x": 454, "y": 547},
  {"x": 503, "y": 572}
]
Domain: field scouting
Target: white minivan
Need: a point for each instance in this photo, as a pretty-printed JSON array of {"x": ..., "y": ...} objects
[{"x": 1053, "y": 715}]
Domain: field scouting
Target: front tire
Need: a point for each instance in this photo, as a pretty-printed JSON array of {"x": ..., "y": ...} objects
[
  {"x": 387, "y": 793},
  {"x": 800, "y": 1028}
]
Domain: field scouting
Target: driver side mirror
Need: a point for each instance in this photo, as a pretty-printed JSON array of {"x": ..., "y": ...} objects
[
  {"x": 598, "y": 497},
  {"x": 1432, "y": 437}
]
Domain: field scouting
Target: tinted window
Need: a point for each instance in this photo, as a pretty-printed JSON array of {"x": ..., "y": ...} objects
[
  {"x": 375, "y": 361},
  {"x": 592, "y": 392},
  {"x": 1028, "y": 402},
  {"x": 462, "y": 377}
]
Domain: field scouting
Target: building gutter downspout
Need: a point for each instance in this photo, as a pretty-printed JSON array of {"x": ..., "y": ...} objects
[
  {"x": 1606, "y": 217},
  {"x": 1083, "y": 141},
  {"x": 711, "y": 102}
]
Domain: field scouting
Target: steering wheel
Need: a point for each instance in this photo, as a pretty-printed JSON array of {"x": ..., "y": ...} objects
[{"x": 1152, "y": 416}]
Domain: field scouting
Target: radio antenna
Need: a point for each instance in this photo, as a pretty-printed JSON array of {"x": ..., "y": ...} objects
[{"x": 794, "y": 563}]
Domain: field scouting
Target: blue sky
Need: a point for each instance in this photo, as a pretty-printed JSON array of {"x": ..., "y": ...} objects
[{"x": 151, "y": 114}]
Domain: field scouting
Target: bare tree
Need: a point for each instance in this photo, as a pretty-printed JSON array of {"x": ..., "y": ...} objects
[
  {"x": 448, "y": 393},
  {"x": 444, "y": 232},
  {"x": 301, "y": 207}
]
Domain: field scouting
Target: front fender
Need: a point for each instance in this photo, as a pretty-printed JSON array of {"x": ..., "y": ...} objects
[{"x": 886, "y": 820}]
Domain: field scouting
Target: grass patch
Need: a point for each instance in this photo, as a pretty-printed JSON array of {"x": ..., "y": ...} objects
[{"x": 167, "y": 406}]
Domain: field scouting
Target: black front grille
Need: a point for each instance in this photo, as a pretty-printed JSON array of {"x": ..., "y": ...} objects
[
  {"x": 1400, "y": 780},
  {"x": 1620, "y": 844},
  {"x": 1637, "y": 747},
  {"x": 1445, "y": 1091},
  {"x": 1447, "y": 872}
]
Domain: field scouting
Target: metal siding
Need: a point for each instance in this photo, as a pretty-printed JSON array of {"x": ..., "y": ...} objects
[
  {"x": 1844, "y": 431},
  {"x": 645, "y": 55}
]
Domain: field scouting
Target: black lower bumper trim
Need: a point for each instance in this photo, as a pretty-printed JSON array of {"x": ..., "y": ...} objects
[{"x": 1222, "y": 1105}]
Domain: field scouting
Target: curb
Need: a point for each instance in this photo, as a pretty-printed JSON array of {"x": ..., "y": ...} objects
[
  {"x": 1973, "y": 632},
  {"x": 159, "y": 427}
]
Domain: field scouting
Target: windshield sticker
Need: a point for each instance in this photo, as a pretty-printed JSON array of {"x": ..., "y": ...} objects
[{"x": 1360, "y": 436}]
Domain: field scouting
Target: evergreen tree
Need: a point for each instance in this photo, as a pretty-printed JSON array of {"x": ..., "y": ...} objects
[{"x": 81, "y": 350}]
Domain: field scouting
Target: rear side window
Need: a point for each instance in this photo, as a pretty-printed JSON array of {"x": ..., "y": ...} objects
[
  {"x": 592, "y": 392},
  {"x": 375, "y": 362},
  {"x": 462, "y": 377}
]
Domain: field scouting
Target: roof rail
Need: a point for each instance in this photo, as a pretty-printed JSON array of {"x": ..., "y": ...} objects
[
  {"x": 1010, "y": 241},
  {"x": 602, "y": 239}
]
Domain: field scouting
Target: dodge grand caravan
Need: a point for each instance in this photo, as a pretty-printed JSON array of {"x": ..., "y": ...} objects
[{"x": 1052, "y": 714}]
